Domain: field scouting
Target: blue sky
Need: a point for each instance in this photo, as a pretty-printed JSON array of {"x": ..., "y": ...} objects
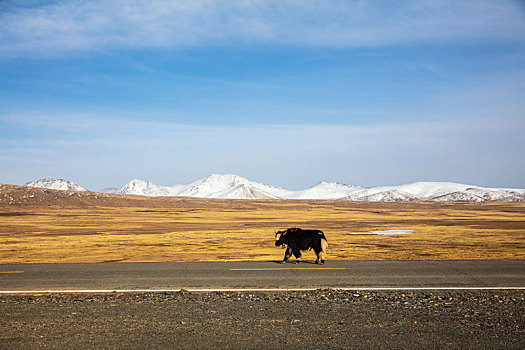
[{"x": 288, "y": 93}]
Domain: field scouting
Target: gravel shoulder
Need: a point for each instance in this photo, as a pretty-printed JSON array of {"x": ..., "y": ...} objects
[{"x": 305, "y": 320}]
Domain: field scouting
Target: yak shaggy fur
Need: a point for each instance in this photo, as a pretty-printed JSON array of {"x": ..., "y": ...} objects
[{"x": 296, "y": 240}]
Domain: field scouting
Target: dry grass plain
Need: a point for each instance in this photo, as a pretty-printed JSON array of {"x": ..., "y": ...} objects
[{"x": 46, "y": 226}]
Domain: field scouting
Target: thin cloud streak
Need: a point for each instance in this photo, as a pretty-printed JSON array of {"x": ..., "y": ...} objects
[
  {"x": 91, "y": 127},
  {"x": 79, "y": 26}
]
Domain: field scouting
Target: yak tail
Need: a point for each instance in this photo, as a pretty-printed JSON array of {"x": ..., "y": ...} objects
[
  {"x": 324, "y": 244},
  {"x": 324, "y": 241}
]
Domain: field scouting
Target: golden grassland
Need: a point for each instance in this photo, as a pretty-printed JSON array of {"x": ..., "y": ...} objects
[{"x": 102, "y": 228}]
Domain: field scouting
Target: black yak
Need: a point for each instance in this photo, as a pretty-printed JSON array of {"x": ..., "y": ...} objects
[{"x": 296, "y": 239}]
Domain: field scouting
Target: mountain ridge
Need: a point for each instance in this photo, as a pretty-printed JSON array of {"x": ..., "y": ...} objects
[{"x": 236, "y": 187}]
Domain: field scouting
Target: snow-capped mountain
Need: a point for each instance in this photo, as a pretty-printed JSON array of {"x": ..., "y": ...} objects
[
  {"x": 213, "y": 186},
  {"x": 55, "y": 184},
  {"x": 326, "y": 190},
  {"x": 145, "y": 188},
  {"x": 235, "y": 187},
  {"x": 481, "y": 195},
  {"x": 436, "y": 191},
  {"x": 227, "y": 186}
]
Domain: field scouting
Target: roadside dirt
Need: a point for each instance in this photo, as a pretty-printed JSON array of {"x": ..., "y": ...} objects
[{"x": 297, "y": 320}]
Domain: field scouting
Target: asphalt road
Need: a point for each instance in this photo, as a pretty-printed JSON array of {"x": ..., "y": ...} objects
[{"x": 334, "y": 274}]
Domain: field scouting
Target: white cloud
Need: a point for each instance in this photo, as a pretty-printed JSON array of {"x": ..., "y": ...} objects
[{"x": 77, "y": 26}]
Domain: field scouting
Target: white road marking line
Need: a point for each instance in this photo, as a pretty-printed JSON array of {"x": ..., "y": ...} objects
[
  {"x": 157, "y": 290},
  {"x": 250, "y": 290},
  {"x": 430, "y": 288}
]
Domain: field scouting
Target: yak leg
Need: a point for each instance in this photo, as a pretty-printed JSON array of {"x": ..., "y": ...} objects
[
  {"x": 318, "y": 254},
  {"x": 287, "y": 254},
  {"x": 298, "y": 256},
  {"x": 322, "y": 253}
]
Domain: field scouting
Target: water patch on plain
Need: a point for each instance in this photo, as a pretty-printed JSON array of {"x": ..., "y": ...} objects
[{"x": 384, "y": 232}]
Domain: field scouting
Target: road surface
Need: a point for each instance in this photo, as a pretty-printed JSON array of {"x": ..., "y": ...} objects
[{"x": 210, "y": 275}]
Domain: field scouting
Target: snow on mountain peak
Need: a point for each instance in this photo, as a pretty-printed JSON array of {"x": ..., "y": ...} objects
[
  {"x": 143, "y": 187},
  {"x": 222, "y": 180},
  {"x": 326, "y": 190},
  {"x": 225, "y": 185},
  {"x": 55, "y": 184}
]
